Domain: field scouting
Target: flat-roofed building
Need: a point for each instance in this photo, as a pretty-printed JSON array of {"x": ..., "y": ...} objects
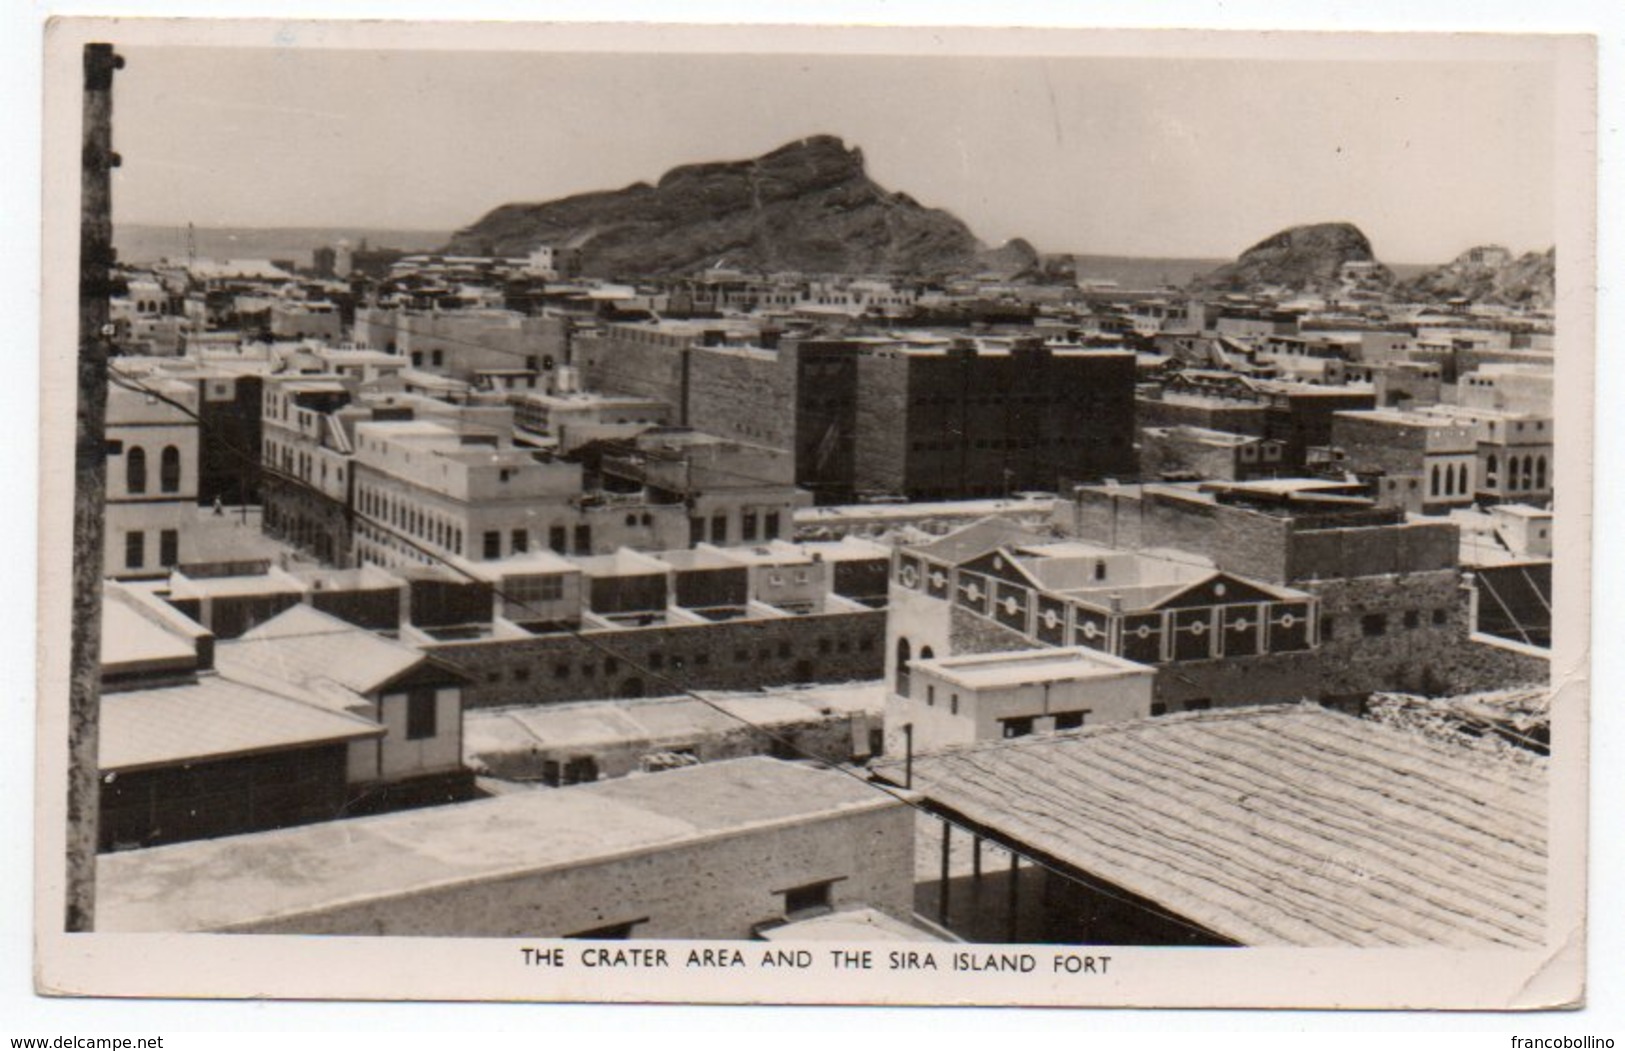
[
  {"x": 632, "y": 857},
  {"x": 152, "y": 479},
  {"x": 1217, "y": 638},
  {"x": 994, "y": 696},
  {"x": 1439, "y": 452}
]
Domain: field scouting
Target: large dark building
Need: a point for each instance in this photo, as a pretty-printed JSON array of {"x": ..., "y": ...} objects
[{"x": 921, "y": 417}]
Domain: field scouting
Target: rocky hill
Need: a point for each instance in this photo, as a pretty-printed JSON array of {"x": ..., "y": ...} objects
[
  {"x": 807, "y": 206},
  {"x": 1302, "y": 258},
  {"x": 1490, "y": 274}
]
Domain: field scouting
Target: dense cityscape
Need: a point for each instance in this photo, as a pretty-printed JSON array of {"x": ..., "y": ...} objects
[{"x": 512, "y": 589}]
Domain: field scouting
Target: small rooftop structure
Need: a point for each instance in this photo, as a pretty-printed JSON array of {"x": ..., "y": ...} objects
[{"x": 989, "y": 671}]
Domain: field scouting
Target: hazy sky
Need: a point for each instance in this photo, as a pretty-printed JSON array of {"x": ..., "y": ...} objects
[{"x": 1112, "y": 156}]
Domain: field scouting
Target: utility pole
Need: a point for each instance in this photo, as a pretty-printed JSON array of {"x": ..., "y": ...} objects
[{"x": 96, "y": 259}]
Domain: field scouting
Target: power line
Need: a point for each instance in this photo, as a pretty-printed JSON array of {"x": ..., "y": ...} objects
[{"x": 660, "y": 676}]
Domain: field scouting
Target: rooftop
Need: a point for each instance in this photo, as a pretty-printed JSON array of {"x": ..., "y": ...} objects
[
  {"x": 213, "y": 718},
  {"x": 1284, "y": 826},
  {"x": 219, "y": 884},
  {"x": 991, "y": 671},
  {"x": 490, "y": 734},
  {"x": 311, "y": 650}
]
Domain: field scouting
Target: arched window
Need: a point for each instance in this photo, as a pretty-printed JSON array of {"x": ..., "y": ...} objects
[
  {"x": 135, "y": 470},
  {"x": 169, "y": 470},
  {"x": 1540, "y": 472},
  {"x": 1435, "y": 486},
  {"x": 905, "y": 653},
  {"x": 1461, "y": 479},
  {"x": 925, "y": 653},
  {"x": 1528, "y": 472},
  {"x": 1491, "y": 466}
]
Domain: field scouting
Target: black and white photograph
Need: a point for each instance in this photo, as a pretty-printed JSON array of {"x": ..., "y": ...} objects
[{"x": 815, "y": 516}]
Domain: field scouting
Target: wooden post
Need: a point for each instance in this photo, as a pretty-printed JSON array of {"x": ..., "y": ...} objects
[
  {"x": 1013, "y": 902},
  {"x": 90, "y": 483},
  {"x": 942, "y": 900}
]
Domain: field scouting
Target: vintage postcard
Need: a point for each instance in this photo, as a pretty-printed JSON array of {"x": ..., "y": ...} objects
[{"x": 813, "y": 515}]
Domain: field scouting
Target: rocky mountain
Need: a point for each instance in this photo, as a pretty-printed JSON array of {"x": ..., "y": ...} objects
[
  {"x": 1015, "y": 258},
  {"x": 1491, "y": 274},
  {"x": 1303, "y": 258},
  {"x": 806, "y": 206}
]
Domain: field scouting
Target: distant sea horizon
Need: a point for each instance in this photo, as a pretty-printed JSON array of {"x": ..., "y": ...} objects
[{"x": 146, "y": 243}]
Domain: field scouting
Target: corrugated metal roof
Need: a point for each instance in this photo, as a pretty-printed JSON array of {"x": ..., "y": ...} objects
[
  {"x": 211, "y": 719},
  {"x": 1288, "y": 826}
]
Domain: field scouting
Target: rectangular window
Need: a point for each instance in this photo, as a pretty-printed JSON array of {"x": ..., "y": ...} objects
[
  {"x": 747, "y": 526},
  {"x": 1413, "y": 618},
  {"x": 583, "y": 539},
  {"x": 420, "y": 714},
  {"x": 135, "y": 549},
  {"x": 770, "y": 529},
  {"x": 810, "y": 900},
  {"x": 556, "y": 539},
  {"x": 719, "y": 529},
  {"x": 696, "y": 531},
  {"x": 1070, "y": 720},
  {"x": 1374, "y": 624},
  {"x": 930, "y": 696},
  {"x": 1441, "y": 617},
  {"x": 1328, "y": 629},
  {"x": 1016, "y": 727},
  {"x": 493, "y": 543},
  {"x": 169, "y": 547},
  {"x": 519, "y": 541}
]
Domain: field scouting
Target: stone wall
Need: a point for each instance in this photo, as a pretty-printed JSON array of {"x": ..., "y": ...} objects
[
  {"x": 716, "y": 888},
  {"x": 879, "y": 432},
  {"x": 726, "y": 655},
  {"x": 1268, "y": 679},
  {"x": 968, "y": 633},
  {"x": 615, "y": 364},
  {"x": 749, "y": 397}
]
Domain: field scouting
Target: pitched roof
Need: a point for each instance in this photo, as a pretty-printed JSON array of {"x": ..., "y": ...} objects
[
  {"x": 978, "y": 538},
  {"x": 308, "y": 648},
  {"x": 1286, "y": 825},
  {"x": 212, "y": 718}
]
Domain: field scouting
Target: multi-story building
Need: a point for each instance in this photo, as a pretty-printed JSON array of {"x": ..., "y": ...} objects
[
  {"x": 402, "y": 480},
  {"x": 1393, "y": 611},
  {"x": 1214, "y": 637},
  {"x": 1516, "y": 455},
  {"x": 734, "y": 492},
  {"x": 925, "y": 416},
  {"x": 1511, "y": 387},
  {"x": 464, "y": 343},
  {"x": 1437, "y": 452},
  {"x": 152, "y": 479}
]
